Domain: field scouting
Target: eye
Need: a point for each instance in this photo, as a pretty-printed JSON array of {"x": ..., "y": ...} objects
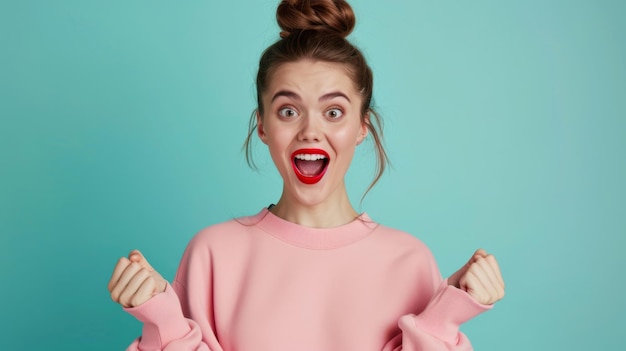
[
  {"x": 287, "y": 112},
  {"x": 334, "y": 113}
]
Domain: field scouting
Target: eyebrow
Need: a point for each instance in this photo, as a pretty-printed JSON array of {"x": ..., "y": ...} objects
[
  {"x": 293, "y": 95},
  {"x": 333, "y": 95},
  {"x": 286, "y": 93}
]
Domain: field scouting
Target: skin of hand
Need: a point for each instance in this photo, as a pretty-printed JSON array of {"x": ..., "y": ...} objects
[
  {"x": 480, "y": 277},
  {"x": 134, "y": 281}
]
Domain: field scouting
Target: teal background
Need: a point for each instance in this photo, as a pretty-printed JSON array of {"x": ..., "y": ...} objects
[{"x": 122, "y": 123}]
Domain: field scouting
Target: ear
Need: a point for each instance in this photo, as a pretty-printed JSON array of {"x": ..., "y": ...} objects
[
  {"x": 259, "y": 128},
  {"x": 364, "y": 129}
]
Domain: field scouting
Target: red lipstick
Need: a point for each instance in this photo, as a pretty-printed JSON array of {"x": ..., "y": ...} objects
[{"x": 317, "y": 155}]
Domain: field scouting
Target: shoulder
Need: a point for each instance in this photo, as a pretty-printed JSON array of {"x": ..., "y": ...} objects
[
  {"x": 217, "y": 243},
  {"x": 226, "y": 230},
  {"x": 406, "y": 252},
  {"x": 222, "y": 236},
  {"x": 400, "y": 238},
  {"x": 403, "y": 245}
]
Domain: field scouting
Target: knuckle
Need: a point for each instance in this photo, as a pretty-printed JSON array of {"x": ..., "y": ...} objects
[
  {"x": 463, "y": 280},
  {"x": 472, "y": 269},
  {"x": 122, "y": 262},
  {"x": 115, "y": 296},
  {"x": 149, "y": 280},
  {"x": 137, "y": 300},
  {"x": 126, "y": 300},
  {"x": 140, "y": 274},
  {"x": 146, "y": 276}
]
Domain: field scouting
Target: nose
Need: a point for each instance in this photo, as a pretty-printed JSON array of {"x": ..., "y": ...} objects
[{"x": 310, "y": 129}]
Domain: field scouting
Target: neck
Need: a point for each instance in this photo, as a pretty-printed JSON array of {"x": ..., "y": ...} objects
[{"x": 327, "y": 214}]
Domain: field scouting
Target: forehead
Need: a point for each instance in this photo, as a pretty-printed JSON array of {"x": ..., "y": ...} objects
[{"x": 314, "y": 77}]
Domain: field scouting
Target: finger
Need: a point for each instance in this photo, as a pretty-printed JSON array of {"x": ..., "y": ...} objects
[
  {"x": 486, "y": 273},
  {"x": 475, "y": 288},
  {"x": 125, "y": 277},
  {"x": 454, "y": 279},
  {"x": 496, "y": 268},
  {"x": 475, "y": 256},
  {"x": 137, "y": 256},
  {"x": 130, "y": 290},
  {"x": 145, "y": 292},
  {"x": 480, "y": 253},
  {"x": 121, "y": 265},
  {"x": 487, "y": 291}
]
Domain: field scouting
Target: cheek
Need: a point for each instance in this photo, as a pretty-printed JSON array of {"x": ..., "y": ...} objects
[
  {"x": 344, "y": 146},
  {"x": 278, "y": 143},
  {"x": 347, "y": 137}
]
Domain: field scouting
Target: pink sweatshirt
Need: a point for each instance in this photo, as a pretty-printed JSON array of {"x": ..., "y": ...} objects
[{"x": 263, "y": 283}]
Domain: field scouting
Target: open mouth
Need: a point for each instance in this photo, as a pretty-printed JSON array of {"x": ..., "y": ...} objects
[{"x": 310, "y": 164}]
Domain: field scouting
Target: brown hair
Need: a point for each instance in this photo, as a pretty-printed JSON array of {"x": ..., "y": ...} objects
[{"x": 316, "y": 30}]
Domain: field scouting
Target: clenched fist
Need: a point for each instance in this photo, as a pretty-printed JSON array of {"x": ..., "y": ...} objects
[
  {"x": 480, "y": 277},
  {"x": 134, "y": 281}
]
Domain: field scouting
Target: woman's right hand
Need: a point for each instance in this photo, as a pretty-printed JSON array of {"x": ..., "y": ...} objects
[{"x": 134, "y": 281}]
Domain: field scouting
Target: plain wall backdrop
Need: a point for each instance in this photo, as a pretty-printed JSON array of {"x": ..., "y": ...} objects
[{"x": 122, "y": 123}]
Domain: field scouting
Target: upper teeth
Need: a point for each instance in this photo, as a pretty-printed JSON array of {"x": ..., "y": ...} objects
[{"x": 309, "y": 157}]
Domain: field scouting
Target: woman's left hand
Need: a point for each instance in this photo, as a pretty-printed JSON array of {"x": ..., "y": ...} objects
[{"x": 480, "y": 277}]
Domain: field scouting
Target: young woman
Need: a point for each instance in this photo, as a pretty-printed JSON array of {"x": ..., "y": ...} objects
[{"x": 309, "y": 273}]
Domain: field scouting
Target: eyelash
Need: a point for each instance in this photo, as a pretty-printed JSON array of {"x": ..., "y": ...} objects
[
  {"x": 281, "y": 112},
  {"x": 337, "y": 109}
]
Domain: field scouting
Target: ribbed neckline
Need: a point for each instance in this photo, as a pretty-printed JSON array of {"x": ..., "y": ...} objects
[{"x": 314, "y": 238}]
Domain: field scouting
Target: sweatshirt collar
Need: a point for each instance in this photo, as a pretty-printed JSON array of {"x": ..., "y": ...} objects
[{"x": 315, "y": 238}]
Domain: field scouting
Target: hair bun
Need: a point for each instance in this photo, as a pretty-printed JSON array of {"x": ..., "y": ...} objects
[{"x": 323, "y": 15}]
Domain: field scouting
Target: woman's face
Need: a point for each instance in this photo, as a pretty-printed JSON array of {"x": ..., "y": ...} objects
[{"x": 312, "y": 124}]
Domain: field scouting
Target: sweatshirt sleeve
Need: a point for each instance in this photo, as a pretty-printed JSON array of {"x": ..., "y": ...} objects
[
  {"x": 164, "y": 325},
  {"x": 437, "y": 326}
]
